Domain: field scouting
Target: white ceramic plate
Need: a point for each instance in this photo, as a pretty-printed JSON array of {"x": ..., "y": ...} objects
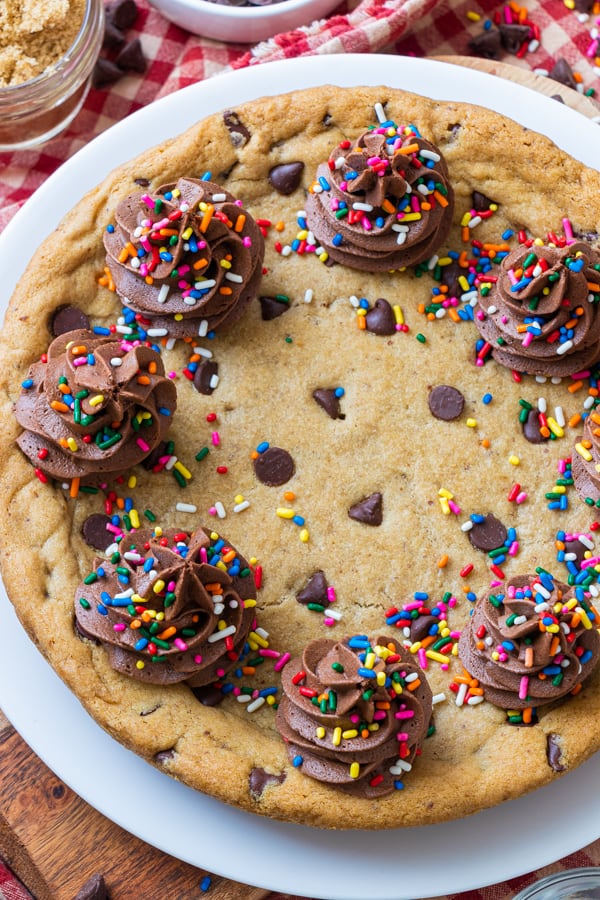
[{"x": 492, "y": 846}]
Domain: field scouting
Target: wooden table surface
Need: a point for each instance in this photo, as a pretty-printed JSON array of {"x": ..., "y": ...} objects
[{"x": 52, "y": 839}]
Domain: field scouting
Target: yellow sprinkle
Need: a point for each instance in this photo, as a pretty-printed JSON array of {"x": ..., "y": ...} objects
[
  {"x": 514, "y": 460},
  {"x": 158, "y": 532},
  {"x": 160, "y": 616},
  {"x": 444, "y": 492},
  {"x": 182, "y": 470},
  {"x": 321, "y": 732},
  {"x": 472, "y": 423},
  {"x": 381, "y": 677},
  {"x": 140, "y": 664},
  {"x": 411, "y": 217},
  {"x": 349, "y": 734},
  {"x": 336, "y": 738},
  {"x": 302, "y": 235},
  {"x": 465, "y": 219},
  {"x": 239, "y": 498},
  {"x": 225, "y": 264},
  {"x": 554, "y": 427},
  {"x": 259, "y": 640},
  {"x": 370, "y": 660},
  {"x": 583, "y": 451},
  {"x": 285, "y": 513},
  {"x": 398, "y": 315},
  {"x": 445, "y": 506},
  {"x": 354, "y": 770},
  {"x": 72, "y": 443},
  {"x": 221, "y": 565},
  {"x": 437, "y": 657},
  {"x": 584, "y": 618},
  {"x": 495, "y": 655},
  {"x": 271, "y": 700},
  {"x": 158, "y": 586},
  {"x": 473, "y": 16},
  {"x": 135, "y": 518},
  {"x": 304, "y": 536},
  {"x": 96, "y": 400},
  {"x": 414, "y": 648},
  {"x": 132, "y": 481}
]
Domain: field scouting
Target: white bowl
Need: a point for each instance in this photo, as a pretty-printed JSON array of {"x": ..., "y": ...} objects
[{"x": 242, "y": 24}]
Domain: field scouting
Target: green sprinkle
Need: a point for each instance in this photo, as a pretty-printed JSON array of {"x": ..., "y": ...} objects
[
  {"x": 83, "y": 602},
  {"x": 337, "y": 667},
  {"x": 421, "y": 338},
  {"x": 316, "y": 607},
  {"x": 150, "y": 515},
  {"x": 179, "y": 478},
  {"x": 202, "y": 453},
  {"x": 91, "y": 578}
]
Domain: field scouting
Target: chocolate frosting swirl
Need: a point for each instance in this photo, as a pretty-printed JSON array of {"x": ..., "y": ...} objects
[
  {"x": 354, "y": 713},
  {"x": 167, "y": 607},
  {"x": 531, "y": 644},
  {"x": 383, "y": 202},
  {"x": 542, "y": 315},
  {"x": 93, "y": 407},
  {"x": 186, "y": 256},
  {"x": 585, "y": 460}
]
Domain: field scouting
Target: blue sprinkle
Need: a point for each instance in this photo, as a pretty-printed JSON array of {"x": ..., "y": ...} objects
[
  {"x": 205, "y": 883},
  {"x": 324, "y": 183},
  {"x": 226, "y": 688},
  {"x": 98, "y": 329},
  {"x": 207, "y": 176},
  {"x": 339, "y": 392},
  {"x": 268, "y": 692},
  {"x": 477, "y": 518},
  {"x": 359, "y": 641},
  {"x": 399, "y": 785},
  {"x": 508, "y": 645},
  {"x": 148, "y": 564},
  {"x": 552, "y": 670},
  {"x": 28, "y": 383},
  {"x": 164, "y": 411},
  {"x": 507, "y": 234},
  {"x": 110, "y": 229},
  {"x": 102, "y": 610},
  {"x": 421, "y": 595},
  {"x": 585, "y": 657},
  {"x": 471, "y": 596},
  {"x": 141, "y": 644},
  {"x": 511, "y": 535},
  {"x": 395, "y": 618},
  {"x": 487, "y": 399},
  {"x": 337, "y": 240},
  {"x": 298, "y": 520},
  {"x": 264, "y": 445},
  {"x": 366, "y": 673},
  {"x": 297, "y": 761},
  {"x": 363, "y": 303}
]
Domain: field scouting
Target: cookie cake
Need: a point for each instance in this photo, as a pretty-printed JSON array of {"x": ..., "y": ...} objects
[{"x": 301, "y": 457}]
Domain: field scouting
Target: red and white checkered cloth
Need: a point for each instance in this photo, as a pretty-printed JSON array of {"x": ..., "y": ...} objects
[{"x": 177, "y": 59}]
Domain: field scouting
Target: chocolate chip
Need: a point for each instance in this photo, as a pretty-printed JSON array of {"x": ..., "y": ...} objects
[
  {"x": 286, "y": 177},
  {"x": 204, "y": 375},
  {"x": 380, "y": 319},
  {"x": 271, "y": 308},
  {"x": 327, "y": 119},
  {"x": 105, "y": 72},
  {"x": 68, "y": 318},
  {"x": 122, "y": 13},
  {"x": 153, "y": 457},
  {"x": 557, "y": 97},
  {"x": 369, "y": 510},
  {"x": 131, "y": 58},
  {"x": 237, "y": 130},
  {"x": 208, "y": 695},
  {"x": 142, "y": 182},
  {"x": 113, "y": 36},
  {"x": 446, "y": 402},
  {"x": 329, "y": 401},
  {"x": 562, "y": 72},
  {"x": 486, "y": 44},
  {"x": 554, "y": 753},
  {"x": 95, "y": 533},
  {"x": 489, "y": 534},
  {"x": 260, "y": 779},
  {"x": 531, "y": 428},
  {"x": 419, "y": 628},
  {"x": 164, "y": 755},
  {"x": 513, "y": 36},
  {"x": 315, "y": 590},
  {"x": 451, "y": 272},
  {"x": 480, "y": 202},
  {"x": 274, "y": 466},
  {"x": 93, "y": 889},
  {"x": 576, "y": 548}
]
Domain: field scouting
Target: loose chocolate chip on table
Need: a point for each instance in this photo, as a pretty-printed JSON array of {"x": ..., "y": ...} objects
[
  {"x": 131, "y": 58},
  {"x": 446, "y": 402},
  {"x": 286, "y": 177},
  {"x": 95, "y": 532},
  {"x": 68, "y": 318},
  {"x": 122, "y": 13},
  {"x": 271, "y": 308},
  {"x": 554, "y": 753},
  {"x": 260, "y": 779},
  {"x": 531, "y": 428},
  {"x": 328, "y": 399},
  {"x": 93, "y": 889},
  {"x": 105, "y": 72},
  {"x": 380, "y": 319},
  {"x": 238, "y": 131},
  {"x": 489, "y": 534},
  {"x": 274, "y": 466},
  {"x": 487, "y": 44},
  {"x": 315, "y": 589},
  {"x": 562, "y": 72},
  {"x": 513, "y": 36},
  {"x": 204, "y": 375},
  {"x": 113, "y": 36},
  {"x": 369, "y": 510}
]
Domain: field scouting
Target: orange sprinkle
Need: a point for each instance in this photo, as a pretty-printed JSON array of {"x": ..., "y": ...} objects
[
  {"x": 74, "y": 489},
  {"x": 279, "y": 226},
  {"x": 59, "y": 406},
  {"x": 554, "y": 645},
  {"x": 440, "y": 198},
  {"x": 576, "y": 690},
  {"x": 227, "y": 557},
  {"x": 485, "y": 443},
  {"x": 453, "y": 314},
  {"x": 527, "y": 713},
  {"x": 362, "y": 323},
  {"x": 410, "y": 148},
  {"x": 225, "y": 290},
  {"x": 149, "y": 279},
  {"x": 167, "y": 633},
  {"x": 421, "y": 308},
  {"x": 143, "y": 379},
  {"x": 289, "y": 495},
  {"x": 200, "y": 263},
  {"x": 135, "y": 623},
  {"x": 465, "y": 234},
  {"x": 152, "y": 367},
  {"x": 528, "y": 657},
  {"x": 207, "y": 217},
  {"x": 388, "y": 207},
  {"x": 239, "y": 223},
  {"x": 414, "y": 684},
  {"x": 574, "y": 421},
  {"x": 545, "y": 431},
  {"x": 443, "y": 561}
]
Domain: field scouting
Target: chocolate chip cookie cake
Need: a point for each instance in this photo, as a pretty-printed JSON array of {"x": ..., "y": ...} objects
[{"x": 300, "y": 430}]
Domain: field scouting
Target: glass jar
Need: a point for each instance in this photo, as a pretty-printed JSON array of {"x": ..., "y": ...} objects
[
  {"x": 38, "y": 109},
  {"x": 576, "y": 884}
]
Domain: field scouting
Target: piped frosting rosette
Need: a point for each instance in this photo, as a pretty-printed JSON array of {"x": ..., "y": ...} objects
[
  {"x": 169, "y": 607},
  {"x": 93, "y": 407},
  {"x": 531, "y": 643},
  {"x": 382, "y": 202},
  {"x": 585, "y": 460},
  {"x": 355, "y": 713},
  {"x": 542, "y": 314},
  {"x": 188, "y": 258}
]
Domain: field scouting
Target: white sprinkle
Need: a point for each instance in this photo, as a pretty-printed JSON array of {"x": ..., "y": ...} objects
[
  {"x": 265, "y": 635},
  {"x": 135, "y": 263},
  {"x": 541, "y": 607},
  {"x": 203, "y": 351},
  {"x": 231, "y": 276},
  {"x": 189, "y": 301},
  {"x": 492, "y": 310},
  {"x": 340, "y": 162},
  {"x": 308, "y": 295},
  {"x": 114, "y": 548},
  {"x": 311, "y": 239},
  {"x": 473, "y": 701},
  {"x": 203, "y": 328},
  {"x": 438, "y": 698},
  {"x": 354, "y": 301},
  {"x": 380, "y": 113},
  {"x": 317, "y": 189},
  {"x": 256, "y": 704},
  {"x": 220, "y": 511},
  {"x": 186, "y": 507},
  {"x": 170, "y": 463},
  {"x": 124, "y": 329},
  {"x": 423, "y": 189},
  {"x": 285, "y": 251},
  {"x": 412, "y": 677},
  {"x": 157, "y": 332},
  {"x": 362, "y": 207},
  {"x": 170, "y": 343},
  {"x": 116, "y": 361},
  {"x": 533, "y": 45},
  {"x": 564, "y": 348},
  {"x": 594, "y": 590},
  {"x": 469, "y": 297},
  {"x": 243, "y": 698},
  {"x": 401, "y": 238},
  {"x": 214, "y": 381},
  {"x": 138, "y": 232},
  {"x": 429, "y": 154},
  {"x": 301, "y": 214},
  {"x": 433, "y": 261},
  {"x": 218, "y": 608},
  {"x": 466, "y": 526},
  {"x": 124, "y": 594},
  {"x": 559, "y": 416},
  {"x": 542, "y": 590},
  {"x": 220, "y": 635},
  {"x": 520, "y": 620},
  {"x": 542, "y": 405},
  {"x": 404, "y": 229},
  {"x": 219, "y": 198},
  {"x": 585, "y": 540},
  {"x": 133, "y": 557},
  {"x": 333, "y": 614},
  {"x": 541, "y": 379},
  {"x": 240, "y": 507},
  {"x": 556, "y": 379},
  {"x": 205, "y": 285},
  {"x": 588, "y": 402},
  {"x": 460, "y": 694},
  {"x": 400, "y": 766},
  {"x": 544, "y": 72},
  {"x": 163, "y": 293},
  {"x": 440, "y": 313}
]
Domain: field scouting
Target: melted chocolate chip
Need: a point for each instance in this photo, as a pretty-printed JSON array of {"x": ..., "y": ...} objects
[
  {"x": 122, "y": 13},
  {"x": 164, "y": 755},
  {"x": 489, "y": 534},
  {"x": 204, "y": 374},
  {"x": 380, "y": 319},
  {"x": 531, "y": 428},
  {"x": 369, "y": 510},
  {"x": 271, "y": 308},
  {"x": 260, "y": 779},
  {"x": 274, "y": 467},
  {"x": 512, "y": 36},
  {"x": 68, "y": 318},
  {"x": 562, "y": 72},
  {"x": 237, "y": 130},
  {"x": 315, "y": 590},
  {"x": 93, "y": 889},
  {"x": 329, "y": 401},
  {"x": 486, "y": 44},
  {"x": 480, "y": 202},
  {"x": 554, "y": 753},
  {"x": 95, "y": 533},
  {"x": 208, "y": 695},
  {"x": 446, "y": 402},
  {"x": 286, "y": 177},
  {"x": 131, "y": 58}
]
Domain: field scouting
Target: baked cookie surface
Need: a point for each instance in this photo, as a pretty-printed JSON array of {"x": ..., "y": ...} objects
[{"x": 384, "y": 440}]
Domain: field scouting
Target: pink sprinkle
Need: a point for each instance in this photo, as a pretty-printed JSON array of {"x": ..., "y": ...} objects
[
  {"x": 402, "y": 736},
  {"x": 408, "y": 607},
  {"x": 114, "y": 528},
  {"x": 120, "y": 626},
  {"x": 80, "y": 361},
  {"x": 521, "y": 497},
  {"x": 454, "y": 507},
  {"x": 480, "y": 315},
  {"x": 379, "y": 715},
  {"x": 216, "y": 438},
  {"x": 147, "y": 199},
  {"x": 331, "y": 595},
  {"x": 523, "y": 687},
  {"x": 404, "y": 714},
  {"x": 568, "y": 229},
  {"x": 181, "y": 645},
  {"x": 422, "y": 657},
  {"x": 282, "y": 661},
  {"x": 246, "y": 241},
  {"x": 172, "y": 374},
  {"x": 143, "y": 269},
  {"x": 220, "y": 672},
  {"x": 236, "y": 691},
  {"x": 329, "y": 622},
  {"x": 271, "y": 654},
  {"x": 366, "y": 224},
  {"x": 578, "y": 375},
  {"x": 514, "y": 547},
  {"x": 197, "y": 659},
  {"x": 452, "y": 602},
  {"x": 183, "y": 270},
  {"x": 203, "y": 555},
  {"x": 212, "y": 511},
  {"x": 142, "y": 445}
]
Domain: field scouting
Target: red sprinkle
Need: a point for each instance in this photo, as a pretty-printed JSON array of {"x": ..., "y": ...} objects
[
  {"x": 497, "y": 571},
  {"x": 466, "y": 570}
]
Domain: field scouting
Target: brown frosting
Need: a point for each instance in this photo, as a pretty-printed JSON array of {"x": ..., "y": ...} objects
[
  {"x": 542, "y": 315},
  {"x": 170, "y": 606},
  {"x": 382, "y": 202},
  {"x": 93, "y": 407},
  {"x": 355, "y": 713},
  {"x": 532, "y": 642},
  {"x": 585, "y": 460},
  {"x": 188, "y": 258}
]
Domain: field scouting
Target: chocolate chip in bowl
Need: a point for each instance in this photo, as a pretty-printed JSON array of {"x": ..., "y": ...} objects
[{"x": 242, "y": 21}]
